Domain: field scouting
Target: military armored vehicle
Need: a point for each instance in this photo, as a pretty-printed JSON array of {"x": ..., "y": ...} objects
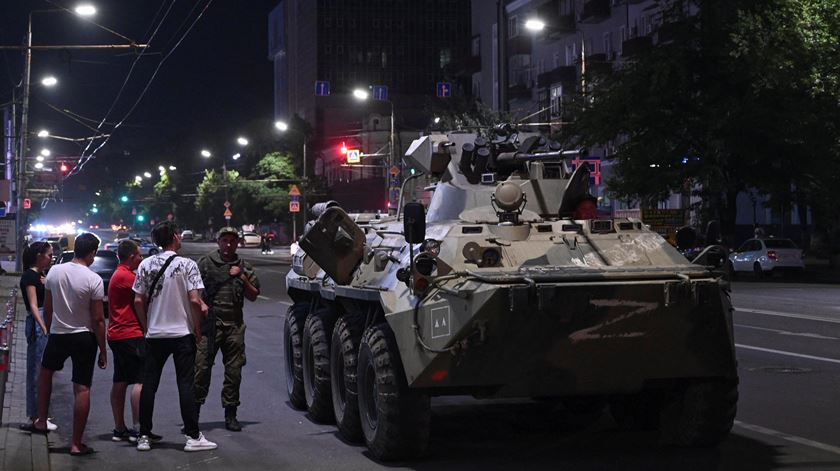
[{"x": 509, "y": 285}]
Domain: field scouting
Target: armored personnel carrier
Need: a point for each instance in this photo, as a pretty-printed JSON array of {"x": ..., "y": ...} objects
[{"x": 509, "y": 285}]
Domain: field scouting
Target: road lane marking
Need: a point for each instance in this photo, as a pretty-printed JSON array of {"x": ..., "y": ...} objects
[
  {"x": 788, "y": 437},
  {"x": 787, "y": 332},
  {"x": 263, "y": 297},
  {"x": 790, "y": 354},
  {"x": 788, "y": 314}
]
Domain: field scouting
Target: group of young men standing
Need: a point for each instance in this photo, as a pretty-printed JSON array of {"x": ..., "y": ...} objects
[{"x": 170, "y": 306}]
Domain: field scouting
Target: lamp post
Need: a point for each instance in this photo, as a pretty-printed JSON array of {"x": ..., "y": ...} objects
[
  {"x": 283, "y": 127},
  {"x": 362, "y": 95},
  {"x": 20, "y": 218}
]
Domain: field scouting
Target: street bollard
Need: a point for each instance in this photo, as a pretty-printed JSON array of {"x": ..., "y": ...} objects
[{"x": 6, "y": 332}]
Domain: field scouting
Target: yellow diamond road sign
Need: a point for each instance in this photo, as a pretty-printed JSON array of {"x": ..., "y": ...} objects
[{"x": 294, "y": 191}]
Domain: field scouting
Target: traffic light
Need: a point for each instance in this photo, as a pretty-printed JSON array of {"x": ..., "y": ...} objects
[
  {"x": 63, "y": 168},
  {"x": 343, "y": 148},
  {"x": 94, "y": 210},
  {"x": 141, "y": 218},
  {"x": 123, "y": 199}
]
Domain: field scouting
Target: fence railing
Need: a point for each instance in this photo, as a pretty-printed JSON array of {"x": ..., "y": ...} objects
[{"x": 7, "y": 326}]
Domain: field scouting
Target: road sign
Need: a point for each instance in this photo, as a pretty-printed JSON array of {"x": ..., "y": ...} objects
[
  {"x": 294, "y": 206},
  {"x": 354, "y": 156},
  {"x": 293, "y": 191},
  {"x": 322, "y": 88},
  {"x": 444, "y": 90},
  {"x": 27, "y": 203},
  {"x": 227, "y": 204},
  {"x": 380, "y": 92},
  {"x": 395, "y": 171},
  {"x": 228, "y": 213}
]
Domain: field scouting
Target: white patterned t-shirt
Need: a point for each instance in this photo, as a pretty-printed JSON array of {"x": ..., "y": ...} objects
[{"x": 169, "y": 313}]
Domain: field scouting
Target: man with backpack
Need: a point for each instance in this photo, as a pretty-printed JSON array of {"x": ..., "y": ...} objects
[
  {"x": 228, "y": 281},
  {"x": 168, "y": 304}
]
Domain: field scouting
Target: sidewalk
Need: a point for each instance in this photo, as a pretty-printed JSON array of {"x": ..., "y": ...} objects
[{"x": 19, "y": 450}]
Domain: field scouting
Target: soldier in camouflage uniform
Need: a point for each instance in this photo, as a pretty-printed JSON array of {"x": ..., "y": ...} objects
[{"x": 228, "y": 281}]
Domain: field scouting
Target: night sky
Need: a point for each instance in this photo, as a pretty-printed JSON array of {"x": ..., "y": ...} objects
[{"x": 216, "y": 82}]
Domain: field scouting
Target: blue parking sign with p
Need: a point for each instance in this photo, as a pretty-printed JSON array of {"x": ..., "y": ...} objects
[{"x": 322, "y": 88}]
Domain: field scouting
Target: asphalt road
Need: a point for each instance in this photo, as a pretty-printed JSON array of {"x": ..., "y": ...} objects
[{"x": 789, "y": 365}]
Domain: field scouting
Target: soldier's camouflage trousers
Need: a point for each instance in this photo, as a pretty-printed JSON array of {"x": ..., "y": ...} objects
[{"x": 230, "y": 339}]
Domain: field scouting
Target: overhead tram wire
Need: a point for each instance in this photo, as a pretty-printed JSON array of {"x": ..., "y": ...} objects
[
  {"x": 84, "y": 159},
  {"x": 125, "y": 81}
]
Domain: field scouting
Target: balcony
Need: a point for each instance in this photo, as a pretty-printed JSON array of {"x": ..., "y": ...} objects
[
  {"x": 520, "y": 45},
  {"x": 566, "y": 74},
  {"x": 556, "y": 24},
  {"x": 595, "y": 11},
  {"x": 599, "y": 64},
  {"x": 635, "y": 46},
  {"x": 518, "y": 92}
]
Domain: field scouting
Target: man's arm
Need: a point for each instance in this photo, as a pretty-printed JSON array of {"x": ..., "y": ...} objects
[
  {"x": 48, "y": 309},
  {"x": 98, "y": 318},
  {"x": 199, "y": 312},
  {"x": 251, "y": 291},
  {"x": 140, "y": 310}
]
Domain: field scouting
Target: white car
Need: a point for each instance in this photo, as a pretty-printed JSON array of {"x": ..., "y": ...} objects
[
  {"x": 250, "y": 239},
  {"x": 187, "y": 234},
  {"x": 765, "y": 256}
]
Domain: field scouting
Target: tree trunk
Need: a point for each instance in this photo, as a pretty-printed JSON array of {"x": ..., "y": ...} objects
[
  {"x": 728, "y": 215},
  {"x": 802, "y": 209}
]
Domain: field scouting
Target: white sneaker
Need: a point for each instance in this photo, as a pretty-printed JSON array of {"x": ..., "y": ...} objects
[
  {"x": 144, "y": 443},
  {"x": 199, "y": 444},
  {"x": 51, "y": 426}
]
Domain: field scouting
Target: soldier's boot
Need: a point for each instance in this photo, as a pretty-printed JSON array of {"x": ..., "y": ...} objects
[{"x": 230, "y": 420}]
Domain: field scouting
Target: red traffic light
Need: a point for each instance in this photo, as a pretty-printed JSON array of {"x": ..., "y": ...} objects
[
  {"x": 63, "y": 168},
  {"x": 343, "y": 148}
]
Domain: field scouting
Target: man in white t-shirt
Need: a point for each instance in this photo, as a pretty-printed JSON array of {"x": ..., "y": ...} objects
[
  {"x": 73, "y": 314},
  {"x": 168, "y": 303}
]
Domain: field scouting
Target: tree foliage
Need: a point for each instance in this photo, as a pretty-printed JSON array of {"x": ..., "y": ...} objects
[{"x": 742, "y": 95}]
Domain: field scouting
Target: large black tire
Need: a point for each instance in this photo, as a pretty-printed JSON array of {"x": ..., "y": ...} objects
[
  {"x": 292, "y": 347},
  {"x": 640, "y": 411},
  {"x": 395, "y": 419},
  {"x": 316, "y": 365},
  {"x": 344, "y": 366},
  {"x": 758, "y": 272},
  {"x": 700, "y": 413}
]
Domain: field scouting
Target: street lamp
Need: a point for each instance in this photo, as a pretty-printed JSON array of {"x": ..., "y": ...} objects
[
  {"x": 43, "y": 133},
  {"x": 534, "y": 24},
  {"x": 49, "y": 81},
  {"x": 206, "y": 153},
  {"x": 362, "y": 95},
  {"x": 147, "y": 174},
  {"x": 236, "y": 156},
  {"x": 283, "y": 127},
  {"x": 242, "y": 141},
  {"x": 85, "y": 9},
  {"x": 45, "y": 152}
]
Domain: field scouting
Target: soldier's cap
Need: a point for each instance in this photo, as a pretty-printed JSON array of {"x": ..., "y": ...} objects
[{"x": 227, "y": 230}]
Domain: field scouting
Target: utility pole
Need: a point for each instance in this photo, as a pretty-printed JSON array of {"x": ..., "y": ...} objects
[{"x": 20, "y": 216}]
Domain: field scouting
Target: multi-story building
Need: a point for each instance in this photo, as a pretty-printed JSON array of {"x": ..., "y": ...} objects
[
  {"x": 406, "y": 46},
  {"x": 540, "y": 71}
]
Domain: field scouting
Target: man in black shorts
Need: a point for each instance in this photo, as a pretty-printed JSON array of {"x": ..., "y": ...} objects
[
  {"x": 125, "y": 337},
  {"x": 73, "y": 315}
]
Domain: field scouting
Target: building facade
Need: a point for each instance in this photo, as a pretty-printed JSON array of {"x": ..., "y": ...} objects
[
  {"x": 532, "y": 74},
  {"x": 323, "y": 50}
]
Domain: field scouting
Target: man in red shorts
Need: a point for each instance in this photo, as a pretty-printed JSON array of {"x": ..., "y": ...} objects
[{"x": 125, "y": 337}]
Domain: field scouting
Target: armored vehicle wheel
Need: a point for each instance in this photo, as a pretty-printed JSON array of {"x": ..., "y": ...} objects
[
  {"x": 316, "y": 365},
  {"x": 292, "y": 333},
  {"x": 637, "y": 411},
  {"x": 344, "y": 361},
  {"x": 395, "y": 419},
  {"x": 700, "y": 413}
]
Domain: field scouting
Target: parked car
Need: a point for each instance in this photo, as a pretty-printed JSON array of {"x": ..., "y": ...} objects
[
  {"x": 249, "y": 239},
  {"x": 187, "y": 234},
  {"x": 147, "y": 247},
  {"x": 765, "y": 256},
  {"x": 104, "y": 264}
]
